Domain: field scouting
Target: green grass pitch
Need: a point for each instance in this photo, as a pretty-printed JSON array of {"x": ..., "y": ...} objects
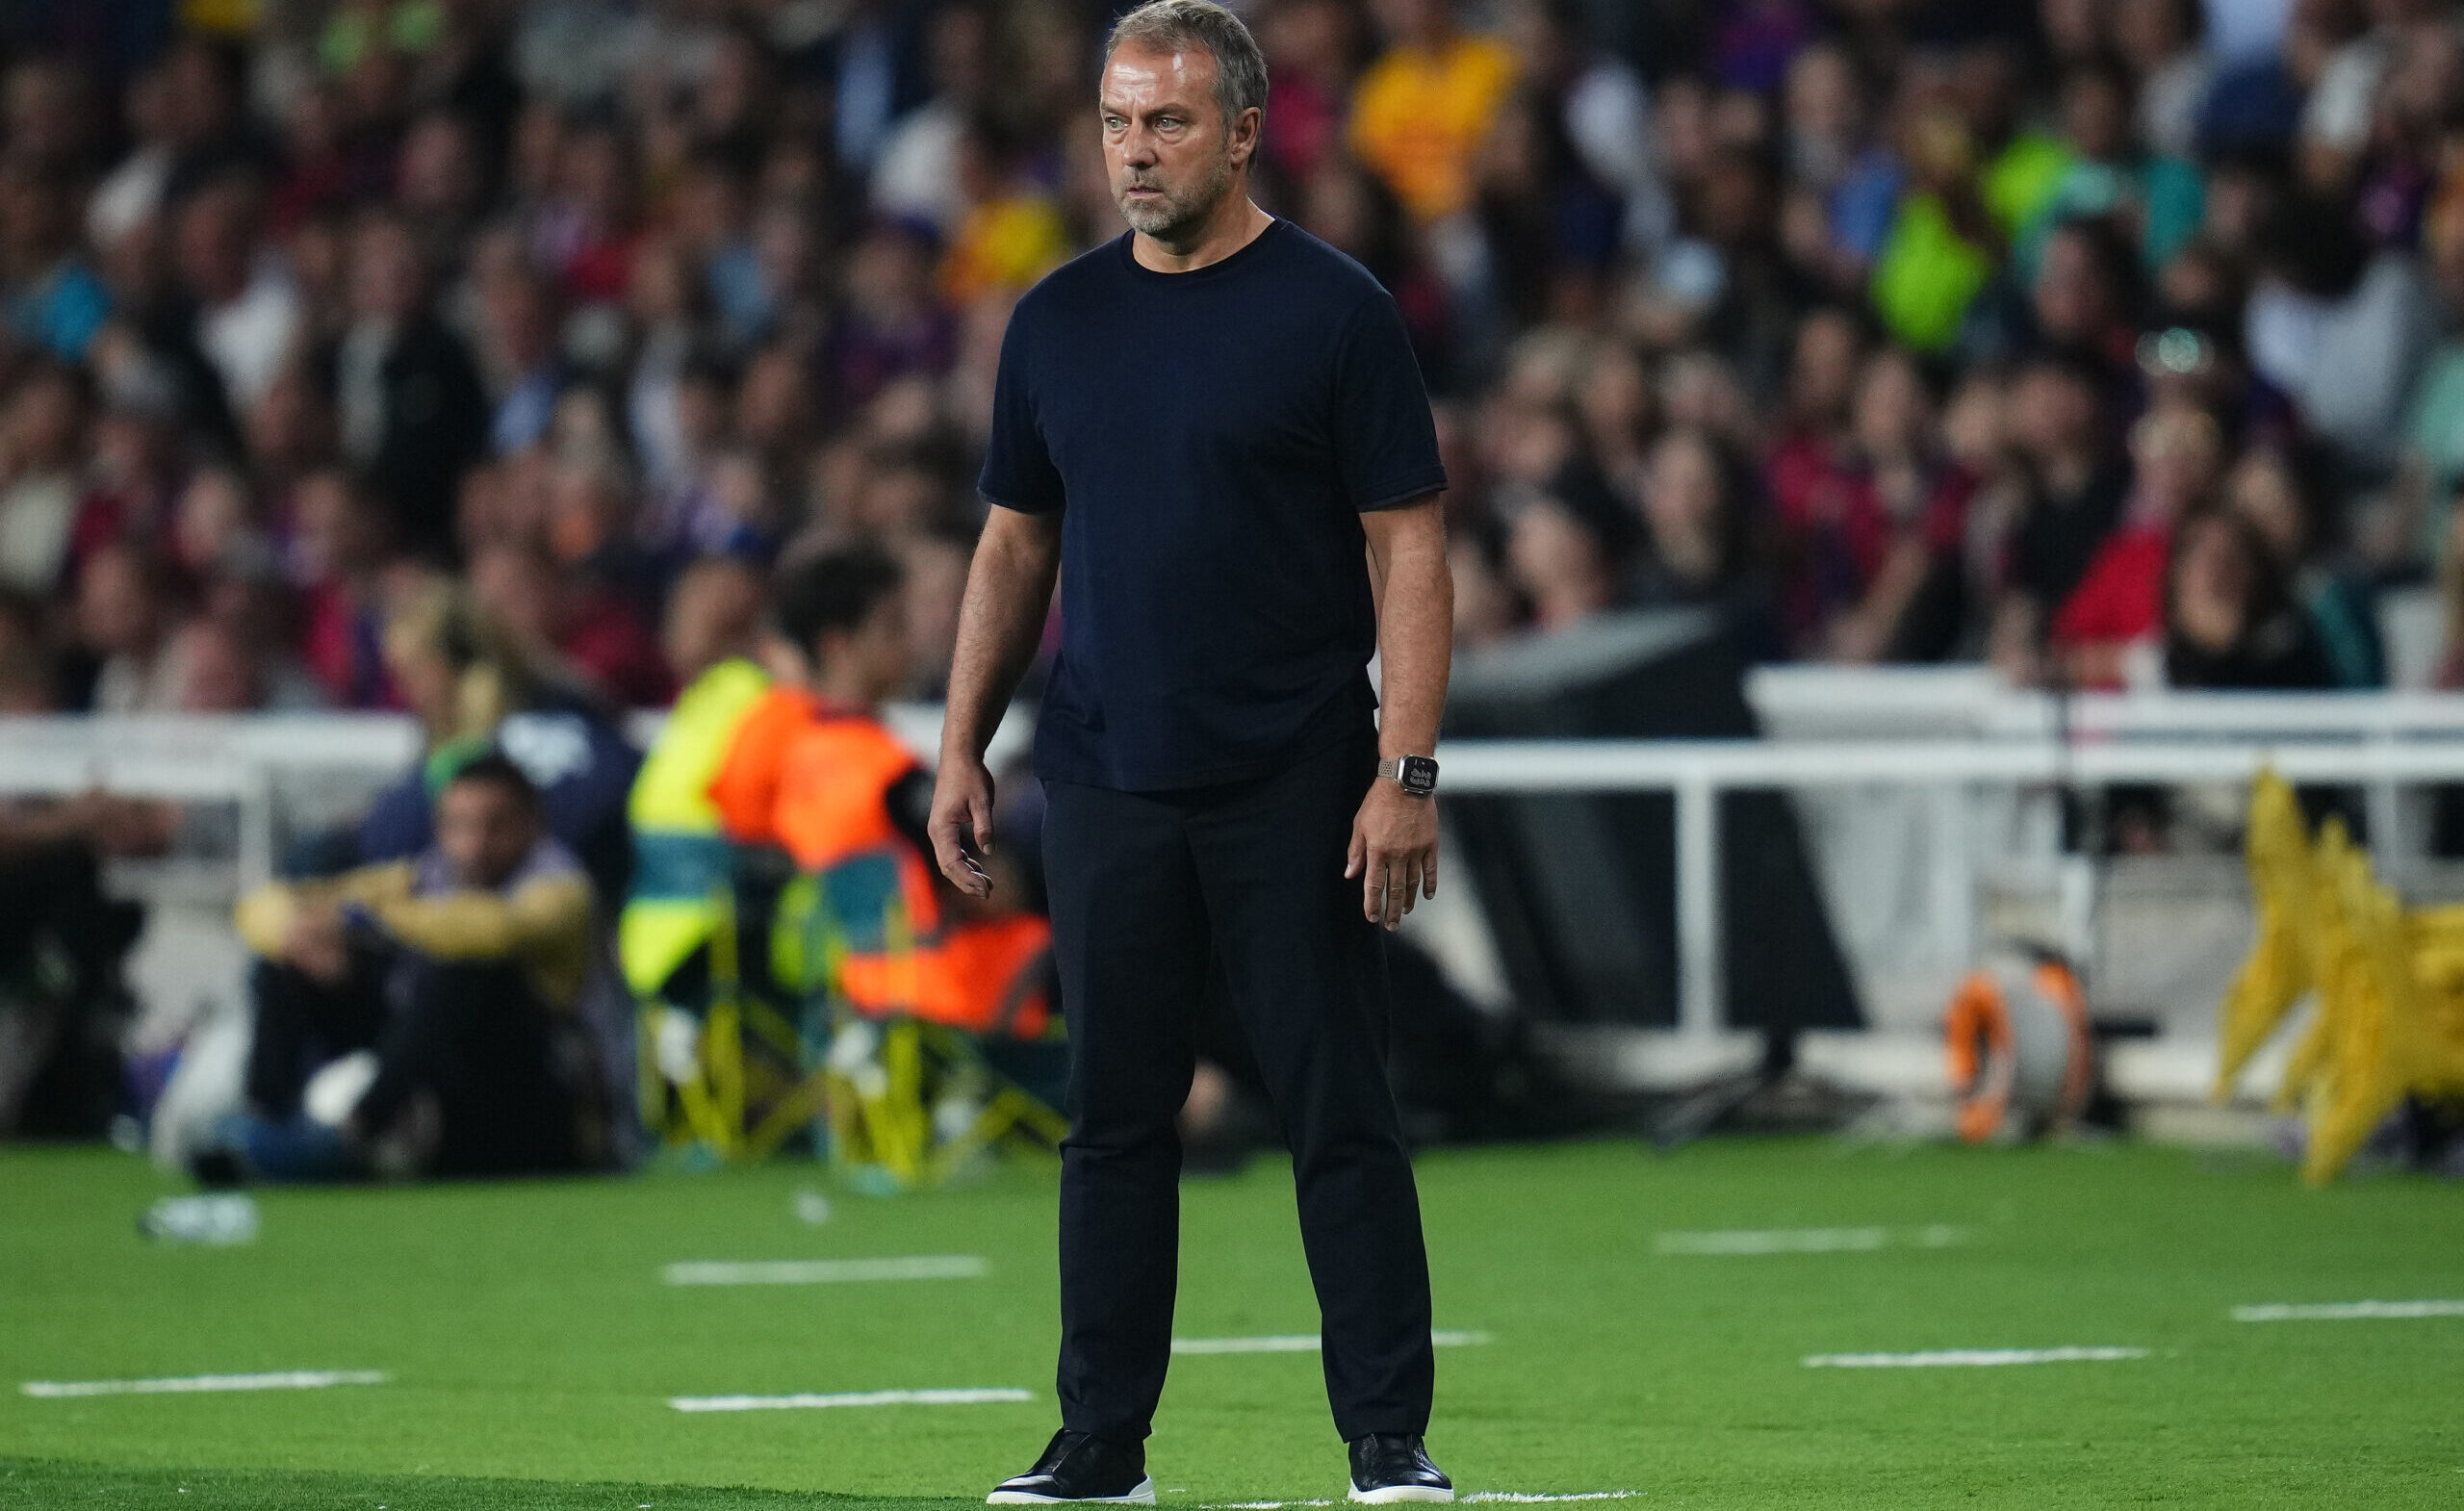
[{"x": 532, "y": 1348}]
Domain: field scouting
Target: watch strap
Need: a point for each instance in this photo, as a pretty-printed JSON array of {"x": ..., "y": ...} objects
[{"x": 1390, "y": 767}]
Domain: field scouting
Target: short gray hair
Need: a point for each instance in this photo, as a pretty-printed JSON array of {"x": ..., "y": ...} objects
[{"x": 1169, "y": 25}]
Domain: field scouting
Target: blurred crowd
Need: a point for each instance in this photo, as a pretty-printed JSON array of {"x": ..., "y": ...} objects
[{"x": 2115, "y": 341}]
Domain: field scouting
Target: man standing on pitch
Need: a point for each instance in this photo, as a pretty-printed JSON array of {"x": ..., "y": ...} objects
[{"x": 1213, "y": 429}]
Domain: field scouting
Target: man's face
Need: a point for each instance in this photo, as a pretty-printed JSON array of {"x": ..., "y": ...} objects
[
  {"x": 485, "y": 829},
  {"x": 1166, "y": 148}
]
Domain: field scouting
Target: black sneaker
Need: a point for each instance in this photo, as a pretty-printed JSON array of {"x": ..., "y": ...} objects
[
  {"x": 1395, "y": 1466},
  {"x": 1079, "y": 1466}
]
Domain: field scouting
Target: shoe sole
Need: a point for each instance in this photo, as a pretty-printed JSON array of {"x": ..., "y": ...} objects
[
  {"x": 1391, "y": 1493},
  {"x": 1142, "y": 1495}
]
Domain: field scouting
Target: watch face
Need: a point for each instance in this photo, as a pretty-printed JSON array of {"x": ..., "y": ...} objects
[{"x": 1418, "y": 774}]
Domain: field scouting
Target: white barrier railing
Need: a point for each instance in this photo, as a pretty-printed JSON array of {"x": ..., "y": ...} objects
[
  {"x": 2380, "y": 743},
  {"x": 1698, "y": 771},
  {"x": 204, "y": 758},
  {"x": 1975, "y": 701},
  {"x": 254, "y": 762}
]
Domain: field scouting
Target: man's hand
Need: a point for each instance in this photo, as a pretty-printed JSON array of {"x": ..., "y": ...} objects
[
  {"x": 1393, "y": 852},
  {"x": 317, "y": 944},
  {"x": 962, "y": 810}
]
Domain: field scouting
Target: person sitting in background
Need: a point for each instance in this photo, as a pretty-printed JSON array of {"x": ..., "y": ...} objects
[
  {"x": 813, "y": 770},
  {"x": 221, "y": 672},
  {"x": 2075, "y": 486},
  {"x": 29, "y": 678},
  {"x": 563, "y": 618},
  {"x": 2230, "y": 621},
  {"x": 63, "y": 1007},
  {"x": 1011, "y": 233},
  {"x": 1423, "y": 109},
  {"x": 411, "y": 411},
  {"x": 2451, "y": 593},
  {"x": 892, "y": 326},
  {"x": 1560, "y": 558},
  {"x": 2281, "y": 492},
  {"x": 2176, "y": 455},
  {"x": 127, "y": 618},
  {"x": 42, "y": 433},
  {"x": 472, "y": 686},
  {"x": 1974, "y": 178},
  {"x": 1697, "y": 542},
  {"x": 344, "y": 550},
  {"x": 1811, "y": 427},
  {"x": 1873, "y": 531},
  {"x": 2339, "y": 327},
  {"x": 681, "y": 862},
  {"x": 2229, "y": 624},
  {"x": 410, "y": 1016},
  {"x": 2157, "y": 195},
  {"x": 2086, "y": 299},
  {"x": 1488, "y": 599}
]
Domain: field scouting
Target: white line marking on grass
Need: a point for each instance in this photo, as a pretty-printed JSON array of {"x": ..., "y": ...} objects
[
  {"x": 810, "y": 1402},
  {"x": 1279, "y": 1343},
  {"x": 825, "y": 1272},
  {"x": 1967, "y": 1358},
  {"x": 1305, "y": 1343},
  {"x": 276, "y": 1380},
  {"x": 1500, "y": 1496},
  {"x": 1735, "y": 1241},
  {"x": 2346, "y": 1311}
]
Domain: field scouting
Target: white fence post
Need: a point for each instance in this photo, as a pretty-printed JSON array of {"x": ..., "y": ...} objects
[{"x": 1698, "y": 961}]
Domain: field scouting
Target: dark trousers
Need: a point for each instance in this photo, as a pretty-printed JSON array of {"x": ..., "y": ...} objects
[
  {"x": 1151, "y": 893},
  {"x": 473, "y": 1038},
  {"x": 303, "y": 1024}
]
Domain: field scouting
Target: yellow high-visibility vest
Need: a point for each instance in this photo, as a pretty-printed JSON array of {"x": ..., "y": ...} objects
[{"x": 682, "y": 862}]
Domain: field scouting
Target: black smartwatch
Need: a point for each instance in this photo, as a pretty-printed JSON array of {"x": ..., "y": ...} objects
[{"x": 1416, "y": 775}]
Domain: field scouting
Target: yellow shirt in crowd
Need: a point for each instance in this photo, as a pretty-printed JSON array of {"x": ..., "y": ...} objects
[
  {"x": 1004, "y": 245},
  {"x": 1418, "y": 116}
]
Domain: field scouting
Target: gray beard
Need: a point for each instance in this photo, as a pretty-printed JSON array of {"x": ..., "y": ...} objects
[{"x": 1160, "y": 219}]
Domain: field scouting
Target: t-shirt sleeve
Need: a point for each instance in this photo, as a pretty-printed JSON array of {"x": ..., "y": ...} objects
[
  {"x": 1385, "y": 441},
  {"x": 1019, "y": 472}
]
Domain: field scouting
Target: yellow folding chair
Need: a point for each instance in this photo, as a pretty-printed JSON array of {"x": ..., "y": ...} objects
[
  {"x": 910, "y": 1102},
  {"x": 777, "y": 1049}
]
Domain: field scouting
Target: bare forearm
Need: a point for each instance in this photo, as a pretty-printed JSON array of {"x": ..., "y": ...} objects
[
  {"x": 1009, "y": 590},
  {"x": 1415, "y": 632}
]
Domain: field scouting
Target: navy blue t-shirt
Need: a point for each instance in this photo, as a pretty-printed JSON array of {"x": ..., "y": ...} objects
[{"x": 1212, "y": 437}]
